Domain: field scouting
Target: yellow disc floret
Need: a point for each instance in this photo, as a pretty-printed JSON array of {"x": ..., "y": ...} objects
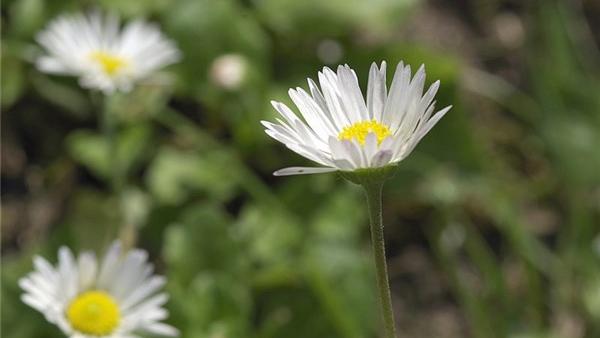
[
  {"x": 360, "y": 130},
  {"x": 111, "y": 64},
  {"x": 94, "y": 313}
]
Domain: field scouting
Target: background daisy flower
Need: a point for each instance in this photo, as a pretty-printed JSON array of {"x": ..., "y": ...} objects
[
  {"x": 94, "y": 48},
  {"x": 340, "y": 131},
  {"x": 115, "y": 297}
]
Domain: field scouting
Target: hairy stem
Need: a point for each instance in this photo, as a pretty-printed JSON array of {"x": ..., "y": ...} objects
[{"x": 373, "y": 191}]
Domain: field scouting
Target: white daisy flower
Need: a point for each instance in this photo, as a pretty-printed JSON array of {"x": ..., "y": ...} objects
[
  {"x": 341, "y": 132},
  {"x": 114, "y": 298},
  {"x": 104, "y": 56}
]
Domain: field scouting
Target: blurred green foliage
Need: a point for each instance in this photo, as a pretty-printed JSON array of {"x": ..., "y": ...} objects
[{"x": 492, "y": 224}]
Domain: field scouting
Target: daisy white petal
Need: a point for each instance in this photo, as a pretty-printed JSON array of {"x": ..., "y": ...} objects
[
  {"x": 350, "y": 94},
  {"x": 162, "y": 329},
  {"x": 88, "y": 267},
  {"x": 397, "y": 94},
  {"x": 382, "y": 158},
  {"x": 370, "y": 147},
  {"x": 408, "y": 100},
  {"x": 328, "y": 81},
  {"x": 302, "y": 171},
  {"x": 110, "y": 263},
  {"x": 145, "y": 289},
  {"x": 376, "y": 91}
]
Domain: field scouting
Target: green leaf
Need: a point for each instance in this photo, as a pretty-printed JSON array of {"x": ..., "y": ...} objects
[
  {"x": 92, "y": 149},
  {"x": 12, "y": 75},
  {"x": 174, "y": 174}
]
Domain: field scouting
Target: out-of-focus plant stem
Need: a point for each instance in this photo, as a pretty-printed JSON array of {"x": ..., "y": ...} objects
[
  {"x": 115, "y": 173},
  {"x": 108, "y": 126}
]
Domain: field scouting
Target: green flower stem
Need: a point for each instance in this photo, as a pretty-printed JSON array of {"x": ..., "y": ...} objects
[
  {"x": 108, "y": 129},
  {"x": 373, "y": 191},
  {"x": 128, "y": 232}
]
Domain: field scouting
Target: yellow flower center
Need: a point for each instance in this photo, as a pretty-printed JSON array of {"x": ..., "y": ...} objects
[
  {"x": 110, "y": 63},
  {"x": 360, "y": 130},
  {"x": 94, "y": 312}
]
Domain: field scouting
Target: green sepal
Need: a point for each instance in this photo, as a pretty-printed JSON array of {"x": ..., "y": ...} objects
[{"x": 369, "y": 176}]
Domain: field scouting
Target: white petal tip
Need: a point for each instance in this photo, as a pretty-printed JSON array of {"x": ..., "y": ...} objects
[{"x": 444, "y": 110}]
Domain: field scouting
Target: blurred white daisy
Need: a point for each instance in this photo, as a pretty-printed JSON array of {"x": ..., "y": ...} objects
[
  {"x": 104, "y": 56},
  {"x": 341, "y": 132},
  {"x": 114, "y": 298}
]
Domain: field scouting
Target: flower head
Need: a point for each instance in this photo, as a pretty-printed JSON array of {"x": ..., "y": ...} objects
[
  {"x": 341, "y": 132},
  {"x": 94, "y": 48},
  {"x": 116, "y": 297}
]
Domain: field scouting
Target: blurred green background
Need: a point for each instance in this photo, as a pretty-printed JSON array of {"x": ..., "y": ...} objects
[{"x": 492, "y": 224}]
